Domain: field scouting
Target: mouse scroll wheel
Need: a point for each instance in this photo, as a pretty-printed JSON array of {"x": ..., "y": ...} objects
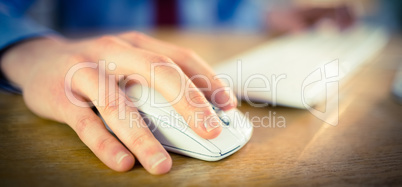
[
  {"x": 222, "y": 116},
  {"x": 216, "y": 109}
]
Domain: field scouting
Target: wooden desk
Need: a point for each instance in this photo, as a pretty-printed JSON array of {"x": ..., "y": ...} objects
[{"x": 365, "y": 148}]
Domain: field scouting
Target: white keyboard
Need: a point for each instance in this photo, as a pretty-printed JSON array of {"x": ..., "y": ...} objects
[{"x": 307, "y": 66}]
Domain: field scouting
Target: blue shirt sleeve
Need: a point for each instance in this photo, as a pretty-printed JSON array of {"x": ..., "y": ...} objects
[{"x": 16, "y": 28}]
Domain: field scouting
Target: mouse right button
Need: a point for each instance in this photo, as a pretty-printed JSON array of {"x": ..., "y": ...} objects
[{"x": 226, "y": 141}]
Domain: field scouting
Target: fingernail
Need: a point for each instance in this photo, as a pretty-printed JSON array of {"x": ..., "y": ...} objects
[
  {"x": 212, "y": 122},
  {"x": 156, "y": 159},
  {"x": 120, "y": 156}
]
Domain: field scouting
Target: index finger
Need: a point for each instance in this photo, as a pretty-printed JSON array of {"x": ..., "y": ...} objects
[{"x": 191, "y": 64}]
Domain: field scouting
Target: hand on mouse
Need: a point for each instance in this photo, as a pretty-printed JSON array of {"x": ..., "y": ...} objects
[{"x": 40, "y": 67}]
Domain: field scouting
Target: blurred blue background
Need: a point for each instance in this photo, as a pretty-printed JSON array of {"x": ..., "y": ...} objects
[{"x": 69, "y": 16}]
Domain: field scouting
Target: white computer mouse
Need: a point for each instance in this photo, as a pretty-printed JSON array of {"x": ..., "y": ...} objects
[{"x": 176, "y": 136}]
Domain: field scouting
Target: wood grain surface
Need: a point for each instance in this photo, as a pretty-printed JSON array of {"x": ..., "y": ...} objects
[{"x": 364, "y": 149}]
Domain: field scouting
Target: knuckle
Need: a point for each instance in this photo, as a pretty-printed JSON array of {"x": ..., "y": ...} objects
[
  {"x": 168, "y": 73},
  {"x": 160, "y": 59},
  {"x": 163, "y": 65},
  {"x": 83, "y": 124},
  {"x": 138, "y": 139},
  {"x": 107, "y": 39},
  {"x": 73, "y": 59},
  {"x": 136, "y": 36},
  {"x": 194, "y": 101},
  {"x": 198, "y": 98},
  {"x": 111, "y": 108},
  {"x": 102, "y": 142},
  {"x": 109, "y": 42},
  {"x": 188, "y": 52},
  {"x": 187, "y": 55}
]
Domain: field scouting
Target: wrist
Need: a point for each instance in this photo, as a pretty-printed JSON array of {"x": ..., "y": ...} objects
[{"x": 19, "y": 60}]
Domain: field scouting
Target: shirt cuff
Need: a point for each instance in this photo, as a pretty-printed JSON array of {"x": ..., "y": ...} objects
[{"x": 15, "y": 30}]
